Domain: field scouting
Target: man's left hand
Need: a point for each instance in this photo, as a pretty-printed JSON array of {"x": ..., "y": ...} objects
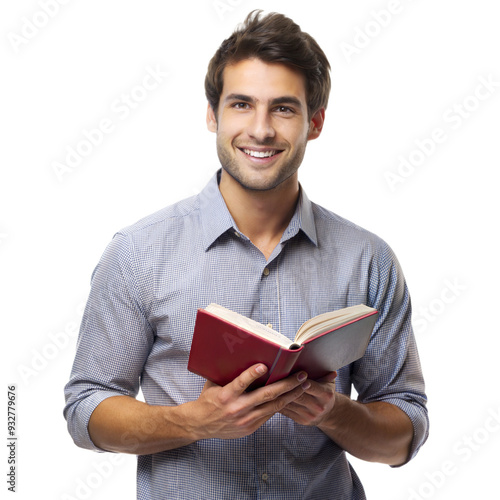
[{"x": 315, "y": 404}]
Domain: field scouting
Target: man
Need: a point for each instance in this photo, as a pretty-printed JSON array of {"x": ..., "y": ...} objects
[{"x": 253, "y": 242}]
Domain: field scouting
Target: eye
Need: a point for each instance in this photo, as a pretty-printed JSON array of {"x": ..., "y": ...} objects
[
  {"x": 240, "y": 105},
  {"x": 284, "y": 110}
]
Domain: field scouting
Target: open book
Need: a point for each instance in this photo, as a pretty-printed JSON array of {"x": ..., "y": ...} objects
[{"x": 226, "y": 343}]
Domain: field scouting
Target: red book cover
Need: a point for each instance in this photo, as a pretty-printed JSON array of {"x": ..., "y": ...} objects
[{"x": 220, "y": 351}]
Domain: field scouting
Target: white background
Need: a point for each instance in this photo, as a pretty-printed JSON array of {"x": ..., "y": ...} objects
[{"x": 411, "y": 74}]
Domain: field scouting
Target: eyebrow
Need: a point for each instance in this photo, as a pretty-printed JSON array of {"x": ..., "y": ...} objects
[{"x": 287, "y": 99}]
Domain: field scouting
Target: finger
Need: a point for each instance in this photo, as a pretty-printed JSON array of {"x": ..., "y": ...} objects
[
  {"x": 272, "y": 398},
  {"x": 323, "y": 384},
  {"x": 329, "y": 377},
  {"x": 271, "y": 404},
  {"x": 321, "y": 391},
  {"x": 208, "y": 384},
  {"x": 283, "y": 386},
  {"x": 297, "y": 413},
  {"x": 241, "y": 383}
]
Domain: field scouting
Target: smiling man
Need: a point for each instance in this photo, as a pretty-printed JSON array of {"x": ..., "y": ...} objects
[
  {"x": 262, "y": 126},
  {"x": 251, "y": 241}
]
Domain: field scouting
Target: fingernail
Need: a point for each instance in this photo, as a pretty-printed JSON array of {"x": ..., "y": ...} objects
[
  {"x": 301, "y": 376},
  {"x": 261, "y": 369},
  {"x": 306, "y": 385}
]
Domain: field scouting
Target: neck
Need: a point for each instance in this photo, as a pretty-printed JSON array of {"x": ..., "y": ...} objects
[{"x": 262, "y": 216}]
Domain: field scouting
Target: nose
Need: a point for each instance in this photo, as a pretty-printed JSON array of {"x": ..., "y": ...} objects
[{"x": 261, "y": 127}]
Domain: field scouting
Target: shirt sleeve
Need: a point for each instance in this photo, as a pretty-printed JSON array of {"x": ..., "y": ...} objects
[
  {"x": 114, "y": 341},
  {"x": 390, "y": 370}
]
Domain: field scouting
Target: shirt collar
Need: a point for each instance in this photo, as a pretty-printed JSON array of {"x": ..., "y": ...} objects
[
  {"x": 302, "y": 220},
  {"x": 216, "y": 219}
]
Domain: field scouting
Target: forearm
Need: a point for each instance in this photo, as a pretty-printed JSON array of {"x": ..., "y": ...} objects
[
  {"x": 376, "y": 432},
  {"x": 125, "y": 425}
]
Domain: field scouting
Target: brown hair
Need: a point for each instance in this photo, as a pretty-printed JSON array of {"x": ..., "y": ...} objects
[{"x": 274, "y": 39}]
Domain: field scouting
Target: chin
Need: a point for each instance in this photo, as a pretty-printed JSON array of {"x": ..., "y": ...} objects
[{"x": 259, "y": 184}]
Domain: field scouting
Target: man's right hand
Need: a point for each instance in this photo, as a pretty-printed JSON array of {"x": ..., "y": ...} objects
[
  {"x": 230, "y": 412},
  {"x": 126, "y": 425}
]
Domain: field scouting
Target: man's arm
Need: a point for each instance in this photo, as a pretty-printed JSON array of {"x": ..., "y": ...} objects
[
  {"x": 123, "y": 424},
  {"x": 389, "y": 422},
  {"x": 376, "y": 432}
]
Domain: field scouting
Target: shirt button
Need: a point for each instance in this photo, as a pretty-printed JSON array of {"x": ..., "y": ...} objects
[
  {"x": 269, "y": 325},
  {"x": 266, "y": 271},
  {"x": 265, "y": 477},
  {"x": 237, "y": 234}
]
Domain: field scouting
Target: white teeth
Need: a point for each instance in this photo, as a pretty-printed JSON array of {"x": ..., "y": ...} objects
[{"x": 260, "y": 154}]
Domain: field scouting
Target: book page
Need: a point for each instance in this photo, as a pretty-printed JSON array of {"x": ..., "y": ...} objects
[
  {"x": 330, "y": 320},
  {"x": 249, "y": 324}
]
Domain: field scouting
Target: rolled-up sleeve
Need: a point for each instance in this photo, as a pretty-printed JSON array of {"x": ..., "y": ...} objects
[
  {"x": 114, "y": 341},
  {"x": 390, "y": 371}
]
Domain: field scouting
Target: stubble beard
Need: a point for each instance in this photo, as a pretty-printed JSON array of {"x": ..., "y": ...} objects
[{"x": 232, "y": 167}]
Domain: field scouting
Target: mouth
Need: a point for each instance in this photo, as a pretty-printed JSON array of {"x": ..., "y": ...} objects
[{"x": 269, "y": 153}]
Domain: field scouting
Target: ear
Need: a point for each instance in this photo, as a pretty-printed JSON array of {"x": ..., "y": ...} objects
[
  {"x": 211, "y": 119},
  {"x": 316, "y": 124}
]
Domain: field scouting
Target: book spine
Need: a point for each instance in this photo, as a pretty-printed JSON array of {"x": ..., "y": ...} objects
[{"x": 283, "y": 364}]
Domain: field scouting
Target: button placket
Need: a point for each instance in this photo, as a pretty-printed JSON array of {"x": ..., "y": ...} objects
[{"x": 269, "y": 297}]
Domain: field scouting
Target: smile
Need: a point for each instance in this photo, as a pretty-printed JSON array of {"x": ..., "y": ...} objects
[{"x": 261, "y": 154}]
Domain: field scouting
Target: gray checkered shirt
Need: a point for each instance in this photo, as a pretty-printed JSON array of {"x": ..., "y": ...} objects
[{"x": 138, "y": 324}]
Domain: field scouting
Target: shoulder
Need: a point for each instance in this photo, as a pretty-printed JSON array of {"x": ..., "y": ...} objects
[
  {"x": 165, "y": 219},
  {"x": 334, "y": 229},
  {"x": 164, "y": 232}
]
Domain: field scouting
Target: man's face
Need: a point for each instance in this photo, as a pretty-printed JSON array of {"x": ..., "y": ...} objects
[{"x": 262, "y": 124}]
